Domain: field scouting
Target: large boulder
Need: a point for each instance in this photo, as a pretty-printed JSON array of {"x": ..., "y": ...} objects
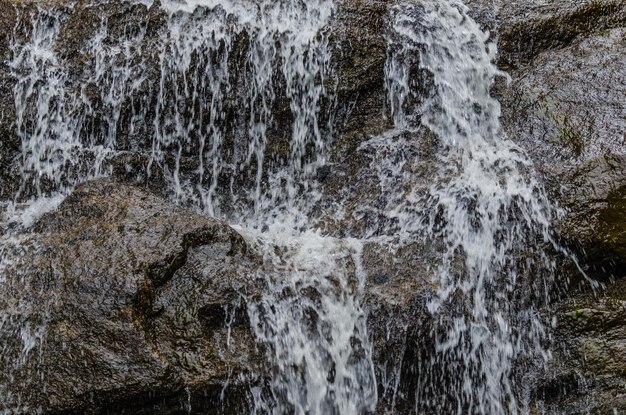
[
  {"x": 121, "y": 302},
  {"x": 118, "y": 301}
]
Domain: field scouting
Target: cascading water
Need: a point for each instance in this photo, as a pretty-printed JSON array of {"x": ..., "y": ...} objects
[
  {"x": 204, "y": 131},
  {"x": 491, "y": 214},
  {"x": 309, "y": 315}
]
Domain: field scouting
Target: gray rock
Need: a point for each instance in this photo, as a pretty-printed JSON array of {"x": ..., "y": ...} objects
[
  {"x": 568, "y": 106},
  {"x": 134, "y": 306},
  {"x": 122, "y": 302},
  {"x": 588, "y": 373},
  {"x": 595, "y": 195},
  {"x": 526, "y": 28}
]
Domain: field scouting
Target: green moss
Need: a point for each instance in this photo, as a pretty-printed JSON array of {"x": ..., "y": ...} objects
[{"x": 569, "y": 138}]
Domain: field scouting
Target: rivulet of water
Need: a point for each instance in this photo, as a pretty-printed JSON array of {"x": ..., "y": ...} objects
[
  {"x": 195, "y": 62},
  {"x": 48, "y": 138}
]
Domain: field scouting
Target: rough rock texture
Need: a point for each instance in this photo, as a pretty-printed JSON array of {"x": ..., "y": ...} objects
[
  {"x": 139, "y": 296},
  {"x": 588, "y": 374},
  {"x": 527, "y": 28},
  {"x": 596, "y": 218},
  {"x": 566, "y": 105},
  {"x": 135, "y": 291},
  {"x": 569, "y": 106}
]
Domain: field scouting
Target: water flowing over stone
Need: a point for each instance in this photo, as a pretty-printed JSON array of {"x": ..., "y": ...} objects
[
  {"x": 302, "y": 265},
  {"x": 325, "y": 342},
  {"x": 492, "y": 215}
]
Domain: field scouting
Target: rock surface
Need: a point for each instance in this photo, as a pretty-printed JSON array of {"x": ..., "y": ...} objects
[
  {"x": 588, "y": 373},
  {"x": 9, "y": 141},
  {"x": 144, "y": 305},
  {"x": 136, "y": 291},
  {"x": 596, "y": 218},
  {"x": 525, "y": 29},
  {"x": 566, "y": 106}
]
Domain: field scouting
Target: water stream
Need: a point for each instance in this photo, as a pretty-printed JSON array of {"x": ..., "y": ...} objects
[
  {"x": 223, "y": 60},
  {"x": 488, "y": 206}
]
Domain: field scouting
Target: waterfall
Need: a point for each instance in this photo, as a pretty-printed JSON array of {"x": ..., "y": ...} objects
[
  {"x": 310, "y": 315},
  {"x": 197, "y": 102},
  {"x": 486, "y": 206}
]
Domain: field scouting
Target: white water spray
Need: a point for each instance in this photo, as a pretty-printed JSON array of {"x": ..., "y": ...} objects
[
  {"x": 310, "y": 315},
  {"x": 492, "y": 216}
]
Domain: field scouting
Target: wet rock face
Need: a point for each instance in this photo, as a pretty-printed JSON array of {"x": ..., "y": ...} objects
[
  {"x": 357, "y": 36},
  {"x": 595, "y": 220},
  {"x": 361, "y": 50},
  {"x": 551, "y": 50},
  {"x": 144, "y": 304},
  {"x": 566, "y": 107},
  {"x": 525, "y": 29},
  {"x": 589, "y": 370}
]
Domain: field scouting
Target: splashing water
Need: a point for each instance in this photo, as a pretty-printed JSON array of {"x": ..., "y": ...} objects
[
  {"x": 493, "y": 217},
  {"x": 315, "y": 326}
]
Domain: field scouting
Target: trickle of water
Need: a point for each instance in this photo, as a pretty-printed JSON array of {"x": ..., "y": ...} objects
[
  {"x": 48, "y": 139},
  {"x": 196, "y": 63}
]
